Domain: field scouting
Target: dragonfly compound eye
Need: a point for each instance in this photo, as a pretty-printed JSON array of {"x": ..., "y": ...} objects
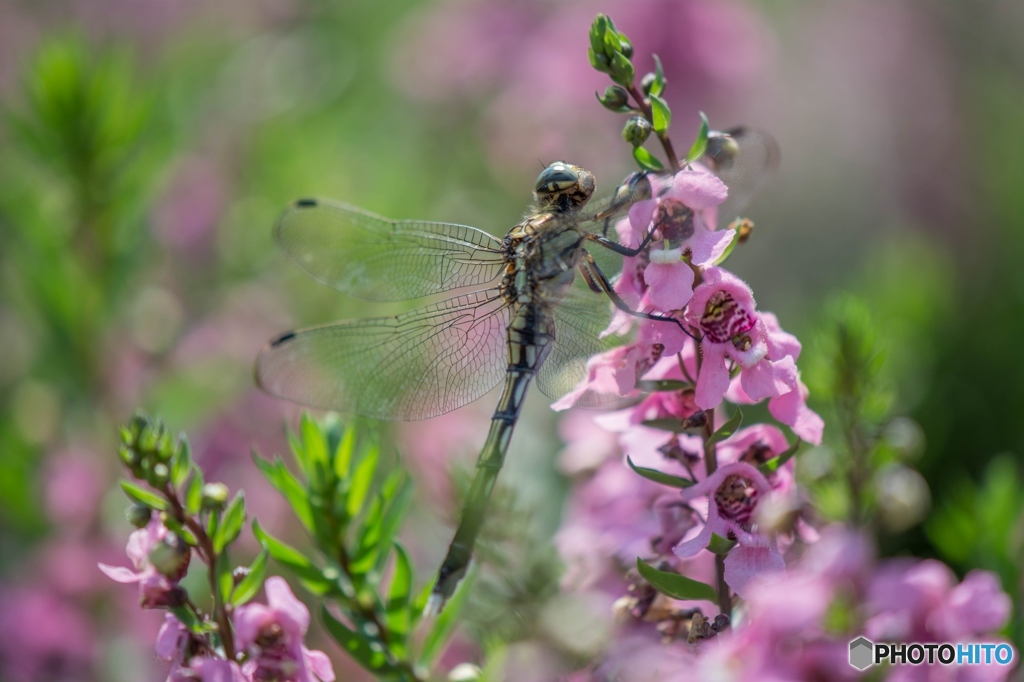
[{"x": 557, "y": 177}]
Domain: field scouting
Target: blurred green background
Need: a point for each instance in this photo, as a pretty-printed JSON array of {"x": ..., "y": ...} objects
[{"x": 146, "y": 147}]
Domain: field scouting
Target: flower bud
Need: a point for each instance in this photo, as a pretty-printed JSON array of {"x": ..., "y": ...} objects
[
  {"x": 130, "y": 457},
  {"x": 138, "y": 515},
  {"x": 647, "y": 81},
  {"x": 215, "y": 496},
  {"x": 637, "y": 130},
  {"x": 465, "y": 672},
  {"x": 158, "y": 475},
  {"x": 239, "y": 574},
  {"x": 722, "y": 150},
  {"x": 170, "y": 556},
  {"x": 622, "y": 71},
  {"x": 615, "y": 98}
]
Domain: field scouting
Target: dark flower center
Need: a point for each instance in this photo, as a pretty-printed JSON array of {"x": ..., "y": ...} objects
[
  {"x": 736, "y": 499},
  {"x": 725, "y": 319},
  {"x": 674, "y": 220}
]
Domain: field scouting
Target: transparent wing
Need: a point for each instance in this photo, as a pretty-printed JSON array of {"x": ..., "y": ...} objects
[
  {"x": 744, "y": 158},
  {"x": 579, "y": 319},
  {"x": 385, "y": 260},
  {"x": 412, "y": 366}
]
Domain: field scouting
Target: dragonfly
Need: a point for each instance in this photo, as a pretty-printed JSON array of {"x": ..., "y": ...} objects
[{"x": 532, "y": 305}]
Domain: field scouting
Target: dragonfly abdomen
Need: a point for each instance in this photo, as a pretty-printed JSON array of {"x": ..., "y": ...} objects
[{"x": 529, "y": 341}]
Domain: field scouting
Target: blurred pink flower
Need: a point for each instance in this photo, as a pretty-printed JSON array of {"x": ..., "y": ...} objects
[
  {"x": 218, "y": 670},
  {"x": 43, "y": 637},
  {"x": 273, "y": 635},
  {"x": 156, "y": 589},
  {"x": 74, "y": 487},
  {"x": 191, "y": 207}
]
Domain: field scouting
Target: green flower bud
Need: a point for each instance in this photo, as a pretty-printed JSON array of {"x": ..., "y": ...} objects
[
  {"x": 622, "y": 69},
  {"x": 648, "y": 80},
  {"x": 170, "y": 556},
  {"x": 599, "y": 61},
  {"x": 158, "y": 475},
  {"x": 138, "y": 515},
  {"x": 165, "y": 447},
  {"x": 615, "y": 98},
  {"x": 637, "y": 130},
  {"x": 625, "y": 46},
  {"x": 129, "y": 456},
  {"x": 215, "y": 496}
]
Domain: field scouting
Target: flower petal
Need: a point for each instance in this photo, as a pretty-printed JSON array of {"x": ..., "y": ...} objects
[
  {"x": 121, "y": 574},
  {"x": 286, "y": 604},
  {"x": 671, "y": 285},
  {"x": 698, "y": 189},
  {"x": 320, "y": 664},
  {"x": 746, "y": 566},
  {"x": 706, "y": 246},
  {"x": 713, "y": 380},
  {"x": 768, "y": 379}
]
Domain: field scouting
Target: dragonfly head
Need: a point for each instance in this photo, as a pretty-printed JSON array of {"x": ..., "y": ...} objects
[{"x": 564, "y": 186}]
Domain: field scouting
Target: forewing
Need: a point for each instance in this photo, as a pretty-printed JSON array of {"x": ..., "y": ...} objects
[
  {"x": 417, "y": 365},
  {"x": 579, "y": 318},
  {"x": 745, "y": 172},
  {"x": 378, "y": 259}
]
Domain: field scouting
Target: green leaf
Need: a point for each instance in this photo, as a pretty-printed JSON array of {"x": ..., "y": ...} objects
[
  {"x": 720, "y": 545},
  {"x": 143, "y": 496},
  {"x": 727, "y": 429},
  {"x": 313, "y": 443},
  {"x": 661, "y": 115},
  {"x": 675, "y": 585},
  {"x": 194, "y": 492},
  {"x": 295, "y": 561},
  {"x": 397, "y": 612},
  {"x": 444, "y": 626},
  {"x": 397, "y": 492},
  {"x": 368, "y": 542},
  {"x": 775, "y": 462},
  {"x": 647, "y": 160},
  {"x": 182, "y": 462},
  {"x": 187, "y": 618},
  {"x": 651, "y": 385},
  {"x": 343, "y": 455},
  {"x": 182, "y": 532},
  {"x": 298, "y": 451},
  {"x": 367, "y": 653},
  {"x": 231, "y": 524},
  {"x": 225, "y": 580},
  {"x": 362, "y": 477},
  {"x": 658, "y": 86},
  {"x": 729, "y": 249},
  {"x": 289, "y": 487},
  {"x": 659, "y": 477},
  {"x": 701, "y": 143},
  {"x": 253, "y": 580},
  {"x": 622, "y": 69}
]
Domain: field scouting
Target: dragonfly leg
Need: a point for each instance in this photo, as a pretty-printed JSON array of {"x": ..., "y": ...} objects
[
  {"x": 619, "y": 248},
  {"x": 599, "y": 278}
]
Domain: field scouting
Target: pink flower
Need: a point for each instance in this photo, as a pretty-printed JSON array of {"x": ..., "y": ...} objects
[
  {"x": 723, "y": 309},
  {"x": 218, "y": 670},
  {"x": 976, "y": 606},
  {"x": 43, "y": 636},
  {"x": 733, "y": 492},
  {"x": 614, "y": 372},
  {"x": 273, "y": 636},
  {"x": 156, "y": 590},
  {"x": 790, "y": 408},
  {"x": 756, "y": 445}
]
